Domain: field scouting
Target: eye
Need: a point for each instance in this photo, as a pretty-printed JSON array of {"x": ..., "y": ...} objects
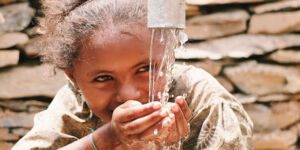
[
  {"x": 104, "y": 78},
  {"x": 144, "y": 69}
]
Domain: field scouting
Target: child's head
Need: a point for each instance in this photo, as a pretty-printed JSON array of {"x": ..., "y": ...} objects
[
  {"x": 70, "y": 23},
  {"x": 103, "y": 46}
]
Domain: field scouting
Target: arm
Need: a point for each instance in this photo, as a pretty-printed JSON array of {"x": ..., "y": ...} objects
[
  {"x": 218, "y": 119},
  {"x": 128, "y": 122},
  {"x": 103, "y": 137},
  {"x": 53, "y": 128}
]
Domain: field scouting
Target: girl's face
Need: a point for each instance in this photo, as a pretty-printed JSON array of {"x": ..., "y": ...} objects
[{"x": 114, "y": 68}]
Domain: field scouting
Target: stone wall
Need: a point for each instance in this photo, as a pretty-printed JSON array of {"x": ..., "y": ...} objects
[
  {"x": 26, "y": 86},
  {"x": 251, "y": 46}
]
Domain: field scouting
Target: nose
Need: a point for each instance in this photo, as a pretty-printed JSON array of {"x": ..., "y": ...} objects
[{"x": 129, "y": 92}]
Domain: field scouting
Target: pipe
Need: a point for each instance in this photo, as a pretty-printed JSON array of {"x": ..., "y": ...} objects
[{"x": 166, "y": 14}]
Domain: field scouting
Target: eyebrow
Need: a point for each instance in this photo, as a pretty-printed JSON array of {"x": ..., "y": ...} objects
[
  {"x": 140, "y": 63},
  {"x": 98, "y": 72}
]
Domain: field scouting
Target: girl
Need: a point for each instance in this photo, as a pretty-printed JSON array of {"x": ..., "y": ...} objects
[{"x": 103, "y": 48}]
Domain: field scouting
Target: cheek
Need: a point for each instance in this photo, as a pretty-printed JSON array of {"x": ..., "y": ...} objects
[
  {"x": 160, "y": 83},
  {"x": 98, "y": 100},
  {"x": 143, "y": 81}
]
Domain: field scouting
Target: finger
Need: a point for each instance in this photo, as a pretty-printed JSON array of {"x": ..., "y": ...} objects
[
  {"x": 130, "y": 114},
  {"x": 131, "y": 103},
  {"x": 181, "y": 122},
  {"x": 141, "y": 124},
  {"x": 184, "y": 107}
]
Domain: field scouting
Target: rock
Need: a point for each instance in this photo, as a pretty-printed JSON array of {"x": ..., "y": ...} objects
[
  {"x": 245, "y": 99},
  {"x": 238, "y": 46},
  {"x": 20, "y": 131},
  {"x": 275, "y": 23},
  {"x": 192, "y": 11},
  {"x": 225, "y": 83},
  {"x": 285, "y": 56},
  {"x": 262, "y": 117},
  {"x": 211, "y": 2},
  {"x": 33, "y": 109},
  {"x": 2, "y": 20},
  {"x": 275, "y": 140},
  {"x": 9, "y": 57},
  {"x": 274, "y": 97},
  {"x": 5, "y": 146},
  {"x": 298, "y": 128},
  {"x": 217, "y": 24},
  {"x": 286, "y": 113},
  {"x": 32, "y": 32},
  {"x": 6, "y": 136},
  {"x": 212, "y": 67},
  {"x": 17, "y": 17},
  {"x": 15, "y": 120},
  {"x": 14, "y": 105},
  {"x": 35, "y": 103},
  {"x": 17, "y": 105},
  {"x": 265, "y": 79},
  {"x": 3, "y": 2},
  {"x": 295, "y": 97},
  {"x": 29, "y": 81},
  {"x": 276, "y": 6},
  {"x": 8, "y": 40},
  {"x": 2, "y": 112},
  {"x": 31, "y": 49}
]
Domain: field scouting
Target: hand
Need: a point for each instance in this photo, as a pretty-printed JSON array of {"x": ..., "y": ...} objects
[
  {"x": 132, "y": 118},
  {"x": 182, "y": 116},
  {"x": 171, "y": 129}
]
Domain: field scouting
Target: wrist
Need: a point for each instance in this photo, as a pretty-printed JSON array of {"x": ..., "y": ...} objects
[{"x": 105, "y": 137}]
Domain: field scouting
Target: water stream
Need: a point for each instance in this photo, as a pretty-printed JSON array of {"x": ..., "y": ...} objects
[{"x": 161, "y": 65}]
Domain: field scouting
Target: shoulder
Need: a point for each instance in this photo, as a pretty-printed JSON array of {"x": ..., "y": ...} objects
[
  {"x": 188, "y": 76},
  {"x": 65, "y": 121}
]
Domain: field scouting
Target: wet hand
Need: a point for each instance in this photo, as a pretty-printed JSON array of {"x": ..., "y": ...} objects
[
  {"x": 132, "y": 118},
  {"x": 171, "y": 129}
]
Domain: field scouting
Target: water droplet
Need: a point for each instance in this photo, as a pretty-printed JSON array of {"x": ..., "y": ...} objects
[
  {"x": 159, "y": 95},
  {"x": 184, "y": 95},
  {"x": 161, "y": 36},
  {"x": 183, "y": 38},
  {"x": 161, "y": 74},
  {"x": 155, "y": 131}
]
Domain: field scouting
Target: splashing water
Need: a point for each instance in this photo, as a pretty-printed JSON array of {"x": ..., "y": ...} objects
[{"x": 170, "y": 39}]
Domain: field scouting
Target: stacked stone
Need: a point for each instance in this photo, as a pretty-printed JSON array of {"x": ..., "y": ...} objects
[
  {"x": 253, "y": 48},
  {"x": 25, "y": 88}
]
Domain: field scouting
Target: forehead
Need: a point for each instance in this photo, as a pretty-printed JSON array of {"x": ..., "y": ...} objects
[
  {"x": 129, "y": 41},
  {"x": 118, "y": 33},
  {"x": 112, "y": 39}
]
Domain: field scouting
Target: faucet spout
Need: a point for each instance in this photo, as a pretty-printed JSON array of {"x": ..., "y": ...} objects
[{"x": 166, "y": 14}]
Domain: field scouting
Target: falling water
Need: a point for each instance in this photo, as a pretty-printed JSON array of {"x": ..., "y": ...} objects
[{"x": 170, "y": 39}]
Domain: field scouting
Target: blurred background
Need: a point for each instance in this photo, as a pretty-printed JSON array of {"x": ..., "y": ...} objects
[{"x": 252, "y": 47}]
